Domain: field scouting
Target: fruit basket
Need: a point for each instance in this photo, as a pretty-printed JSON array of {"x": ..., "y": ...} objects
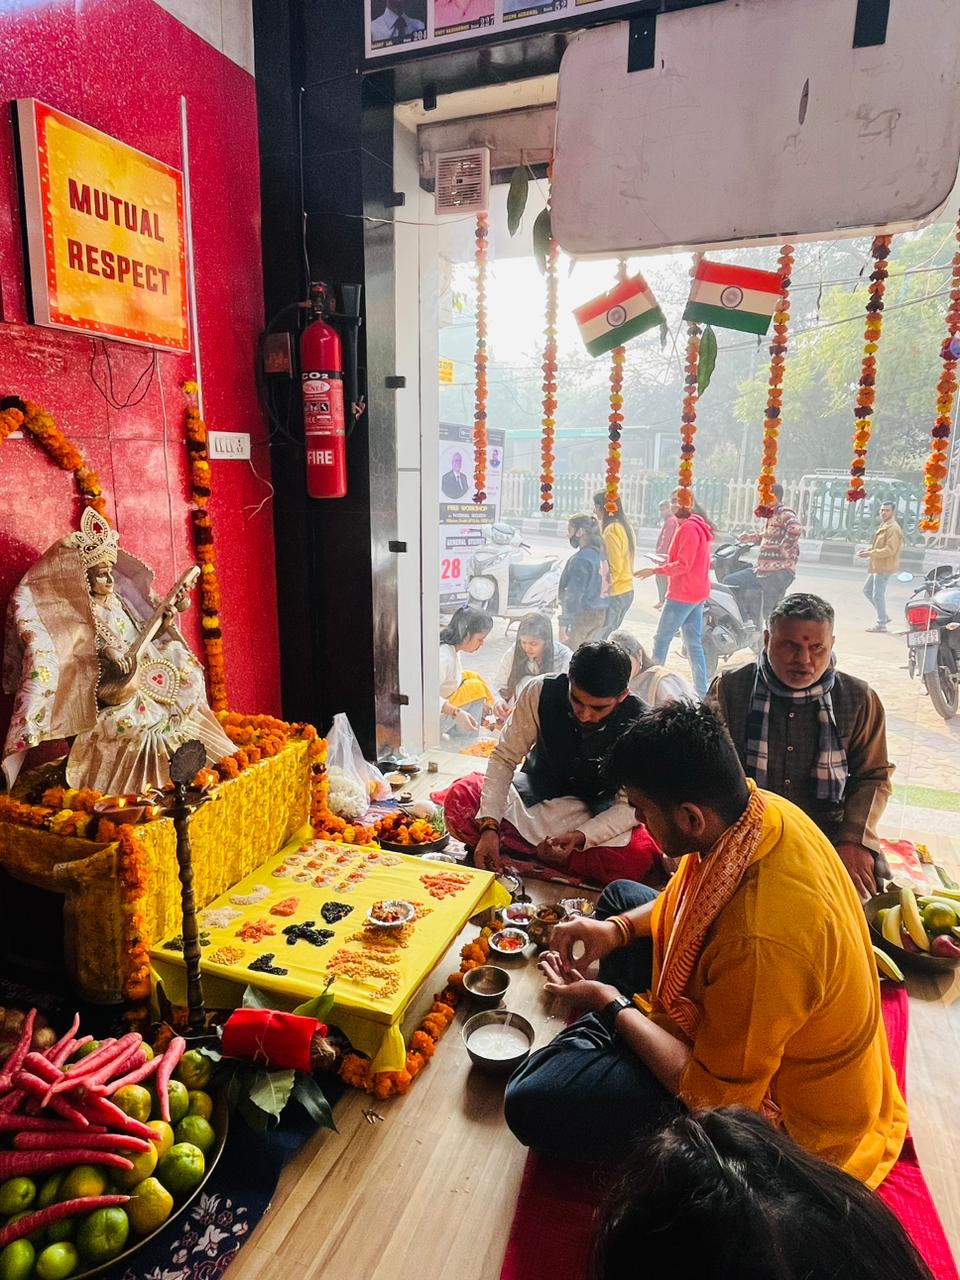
[
  {"x": 885, "y": 916},
  {"x": 220, "y": 1121}
]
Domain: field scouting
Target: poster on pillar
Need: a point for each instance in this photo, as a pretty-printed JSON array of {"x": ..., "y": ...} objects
[
  {"x": 104, "y": 227},
  {"x": 463, "y": 524},
  {"x": 398, "y": 28}
]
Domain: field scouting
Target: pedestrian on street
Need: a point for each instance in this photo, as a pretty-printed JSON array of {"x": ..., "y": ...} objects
[
  {"x": 621, "y": 546},
  {"x": 883, "y": 555},
  {"x": 668, "y": 527}
]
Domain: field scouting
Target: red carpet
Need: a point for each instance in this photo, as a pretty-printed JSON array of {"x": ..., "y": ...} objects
[{"x": 551, "y": 1230}]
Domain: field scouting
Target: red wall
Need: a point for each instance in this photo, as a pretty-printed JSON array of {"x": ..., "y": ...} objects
[{"x": 121, "y": 66}]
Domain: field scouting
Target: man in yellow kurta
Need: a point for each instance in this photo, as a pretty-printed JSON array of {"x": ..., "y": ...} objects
[{"x": 758, "y": 980}]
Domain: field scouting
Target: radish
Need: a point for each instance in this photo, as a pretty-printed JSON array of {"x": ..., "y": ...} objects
[
  {"x": 31, "y": 1222},
  {"x": 169, "y": 1060},
  {"x": 15, "y": 1164},
  {"x": 57, "y": 1139}
]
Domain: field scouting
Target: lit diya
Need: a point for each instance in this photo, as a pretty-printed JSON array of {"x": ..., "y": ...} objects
[{"x": 128, "y": 809}]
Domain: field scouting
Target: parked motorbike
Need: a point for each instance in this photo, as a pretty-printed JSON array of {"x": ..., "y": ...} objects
[
  {"x": 726, "y": 628},
  {"x": 504, "y": 582},
  {"x": 933, "y": 641}
]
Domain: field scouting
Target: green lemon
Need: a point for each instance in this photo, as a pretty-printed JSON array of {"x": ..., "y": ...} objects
[
  {"x": 149, "y": 1207},
  {"x": 164, "y": 1132},
  {"x": 181, "y": 1169},
  {"x": 57, "y": 1261},
  {"x": 83, "y": 1180},
  {"x": 92, "y": 1047},
  {"x": 16, "y": 1261},
  {"x": 134, "y": 1101},
  {"x": 17, "y": 1195},
  {"x": 62, "y": 1229},
  {"x": 196, "y": 1130},
  {"x": 103, "y": 1235},
  {"x": 144, "y": 1164},
  {"x": 201, "y": 1104},
  {"x": 178, "y": 1097},
  {"x": 50, "y": 1191},
  {"x": 194, "y": 1069},
  {"x": 939, "y": 917},
  {"x": 148, "y": 1053}
]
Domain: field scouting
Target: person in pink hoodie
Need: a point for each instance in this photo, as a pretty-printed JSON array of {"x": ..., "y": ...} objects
[{"x": 687, "y": 571}]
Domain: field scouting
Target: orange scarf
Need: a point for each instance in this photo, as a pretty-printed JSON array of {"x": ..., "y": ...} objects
[{"x": 691, "y": 903}]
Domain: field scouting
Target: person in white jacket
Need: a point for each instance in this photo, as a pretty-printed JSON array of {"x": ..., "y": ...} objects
[{"x": 652, "y": 684}]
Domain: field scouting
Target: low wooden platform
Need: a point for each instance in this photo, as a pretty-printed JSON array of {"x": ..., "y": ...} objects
[{"x": 429, "y": 1192}]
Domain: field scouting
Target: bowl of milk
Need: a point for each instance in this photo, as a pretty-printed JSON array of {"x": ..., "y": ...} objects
[{"x": 497, "y": 1040}]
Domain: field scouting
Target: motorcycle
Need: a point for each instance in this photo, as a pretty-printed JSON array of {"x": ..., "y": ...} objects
[
  {"x": 726, "y": 628},
  {"x": 933, "y": 641},
  {"x": 502, "y": 581}
]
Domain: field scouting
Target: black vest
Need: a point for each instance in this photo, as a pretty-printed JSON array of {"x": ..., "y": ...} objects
[{"x": 567, "y": 757}]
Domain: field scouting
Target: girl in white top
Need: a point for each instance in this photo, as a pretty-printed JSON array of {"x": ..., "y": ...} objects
[
  {"x": 652, "y": 685},
  {"x": 462, "y": 693},
  {"x": 535, "y": 653}
]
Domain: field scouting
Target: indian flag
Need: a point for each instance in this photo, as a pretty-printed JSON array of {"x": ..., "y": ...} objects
[
  {"x": 614, "y": 318},
  {"x": 733, "y": 297}
]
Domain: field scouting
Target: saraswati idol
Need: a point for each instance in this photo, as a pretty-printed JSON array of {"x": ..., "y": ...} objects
[{"x": 93, "y": 657}]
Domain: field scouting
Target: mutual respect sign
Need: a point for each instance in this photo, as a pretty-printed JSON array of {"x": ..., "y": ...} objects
[{"x": 104, "y": 230}]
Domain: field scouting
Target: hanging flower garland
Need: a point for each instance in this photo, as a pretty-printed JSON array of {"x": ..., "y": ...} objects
[
  {"x": 688, "y": 418},
  {"x": 866, "y": 387},
  {"x": 935, "y": 467},
  {"x": 548, "y": 422},
  {"x": 766, "y": 502},
  {"x": 480, "y": 366},
  {"x": 617, "y": 358},
  {"x": 202, "y": 525},
  {"x": 59, "y": 449}
]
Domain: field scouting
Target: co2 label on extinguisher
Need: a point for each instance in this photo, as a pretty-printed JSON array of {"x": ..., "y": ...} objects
[{"x": 322, "y": 403}]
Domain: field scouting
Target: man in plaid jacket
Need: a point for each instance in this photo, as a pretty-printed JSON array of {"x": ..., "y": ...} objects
[{"x": 764, "y": 587}]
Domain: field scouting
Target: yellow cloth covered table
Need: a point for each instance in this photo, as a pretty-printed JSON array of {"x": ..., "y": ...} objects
[{"x": 378, "y": 972}]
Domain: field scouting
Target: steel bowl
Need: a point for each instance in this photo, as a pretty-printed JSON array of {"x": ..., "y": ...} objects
[
  {"x": 508, "y": 953},
  {"x": 487, "y": 985},
  {"x": 497, "y": 1017},
  {"x": 409, "y": 913},
  {"x": 918, "y": 960},
  {"x": 542, "y": 925},
  {"x": 577, "y": 907}
]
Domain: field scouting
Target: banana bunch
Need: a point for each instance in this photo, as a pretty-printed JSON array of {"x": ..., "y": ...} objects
[{"x": 928, "y": 923}]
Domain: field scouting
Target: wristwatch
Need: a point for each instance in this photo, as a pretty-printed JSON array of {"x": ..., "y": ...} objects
[{"x": 607, "y": 1016}]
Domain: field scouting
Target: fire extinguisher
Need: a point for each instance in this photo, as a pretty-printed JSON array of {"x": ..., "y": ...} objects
[{"x": 324, "y": 419}]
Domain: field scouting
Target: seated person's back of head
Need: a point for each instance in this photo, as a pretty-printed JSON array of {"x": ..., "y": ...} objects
[{"x": 723, "y": 1195}]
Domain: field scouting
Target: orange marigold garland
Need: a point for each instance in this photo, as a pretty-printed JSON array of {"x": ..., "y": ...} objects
[
  {"x": 766, "y": 502},
  {"x": 548, "y": 422},
  {"x": 55, "y": 444},
  {"x": 355, "y": 1070},
  {"x": 202, "y": 525},
  {"x": 617, "y": 358},
  {"x": 935, "y": 467},
  {"x": 133, "y": 883},
  {"x": 866, "y": 387},
  {"x": 688, "y": 417},
  {"x": 480, "y": 365}
]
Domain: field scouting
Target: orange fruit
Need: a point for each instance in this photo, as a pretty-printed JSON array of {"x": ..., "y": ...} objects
[
  {"x": 181, "y": 1169},
  {"x": 135, "y": 1101},
  {"x": 149, "y": 1206},
  {"x": 144, "y": 1163},
  {"x": 196, "y": 1130},
  {"x": 164, "y": 1133},
  {"x": 103, "y": 1235}
]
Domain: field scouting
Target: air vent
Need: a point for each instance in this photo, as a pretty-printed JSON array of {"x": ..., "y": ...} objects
[{"x": 462, "y": 181}]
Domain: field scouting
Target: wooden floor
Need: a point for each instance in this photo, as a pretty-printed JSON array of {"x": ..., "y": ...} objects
[{"x": 429, "y": 1192}]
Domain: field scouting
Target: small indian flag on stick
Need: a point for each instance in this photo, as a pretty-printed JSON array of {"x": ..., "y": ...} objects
[
  {"x": 614, "y": 318},
  {"x": 733, "y": 297}
]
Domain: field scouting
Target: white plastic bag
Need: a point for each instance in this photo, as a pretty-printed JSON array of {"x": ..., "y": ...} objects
[{"x": 353, "y": 782}]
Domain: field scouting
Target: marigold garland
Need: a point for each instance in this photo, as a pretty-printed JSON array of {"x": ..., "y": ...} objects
[
  {"x": 866, "y": 387},
  {"x": 615, "y": 418},
  {"x": 688, "y": 417},
  {"x": 202, "y": 526},
  {"x": 58, "y": 448},
  {"x": 766, "y": 502},
  {"x": 133, "y": 884},
  {"x": 936, "y": 466},
  {"x": 355, "y": 1070},
  {"x": 548, "y": 422},
  {"x": 480, "y": 366}
]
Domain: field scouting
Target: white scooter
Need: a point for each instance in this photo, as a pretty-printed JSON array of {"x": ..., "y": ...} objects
[{"x": 503, "y": 582}]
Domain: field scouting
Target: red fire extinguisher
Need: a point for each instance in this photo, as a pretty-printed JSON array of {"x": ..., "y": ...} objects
[{"x": 324, "y": 421}]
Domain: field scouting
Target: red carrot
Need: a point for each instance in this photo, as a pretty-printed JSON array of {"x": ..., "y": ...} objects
[
  {"x": 43, "y": 1124},
  {"x": 90, "y": 1061},
  {"x": 31, "y": 1222},
  {"x": 58, "y": 1139},
  {"x": 64, "y": 1110},
  {"x": 134, "y": 1077},
  {"x": 20, "y": 1052},
  {"x": 64, "y": 1042},
  {"x": 68, "y": 1050},
  {"x": 36, "y": 1064},
  {"x": 104, "y": 1112},
  {"x": 171, "y": 1057},
  {"x": 27, "y": 1163},
  {"x": 11, "y": 1101},
  {"x": 132, "y": 1059}
]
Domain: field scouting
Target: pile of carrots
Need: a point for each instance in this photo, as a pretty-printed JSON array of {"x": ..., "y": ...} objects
[{"x": 61, "y": 1115}]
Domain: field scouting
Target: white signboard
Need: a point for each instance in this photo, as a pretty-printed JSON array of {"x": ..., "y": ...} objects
[
  {"x": 462, "y": 521},
  {"x": 413, "y": 26}
]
